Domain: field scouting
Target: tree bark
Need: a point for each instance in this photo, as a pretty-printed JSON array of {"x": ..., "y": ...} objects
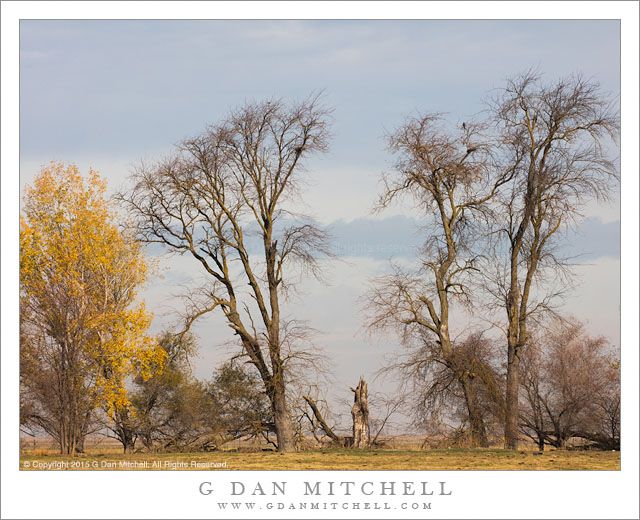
[
  {"x": 476, "y": 422},
  {"x": 282, "y": 418},
  {"x": 128, "y": 440},
  {"x": 323, "y": 424},
  {"x": 511, "y": 400},
  {"x": 360, "y": 414},
  {"x": 514, "y": 317}
]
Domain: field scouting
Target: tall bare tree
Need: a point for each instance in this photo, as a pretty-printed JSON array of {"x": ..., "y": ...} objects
[
  {"x": 207, "y": 200},
  {"x": 448, "y": 174},
  {"x": 554, "y": 139}
]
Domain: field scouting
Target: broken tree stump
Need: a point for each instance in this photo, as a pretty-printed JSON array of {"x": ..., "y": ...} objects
[{"x": 360, "y": 414}]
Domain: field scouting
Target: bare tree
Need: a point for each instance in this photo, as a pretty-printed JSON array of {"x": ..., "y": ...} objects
[
  {"x": 605, "y": 427},
  {"x": 448, "y": 174},
  {"x": 208, "y": 199},
  {"x": 568, "y": 381},
  {"x": 552, "y": 139}
]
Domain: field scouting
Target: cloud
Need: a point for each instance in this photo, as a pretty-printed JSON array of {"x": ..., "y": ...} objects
[
  {"x": 402, "y": 236},
  {"x": 596, "y": 300},
  {"x": 593, "y": 239},
  {"x": 396, "y": 236}
]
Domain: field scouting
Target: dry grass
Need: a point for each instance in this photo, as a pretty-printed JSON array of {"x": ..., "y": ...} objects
[{"x": 334, "y": 459}]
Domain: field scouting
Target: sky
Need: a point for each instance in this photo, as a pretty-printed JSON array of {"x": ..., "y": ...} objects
[{"x": 108, "y": 94}]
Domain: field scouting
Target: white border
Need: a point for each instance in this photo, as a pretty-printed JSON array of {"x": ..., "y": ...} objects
[{"x": 174, "y": 495}]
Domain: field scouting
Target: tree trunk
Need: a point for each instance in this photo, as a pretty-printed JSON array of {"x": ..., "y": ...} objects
[
  {"x": 511, "y": 400},
  {"x": 80, "y": 443},
  {"x": 360, "y": 414},
  {"x": 123, "y": 429},
  {"x": 147, "y": 441},
  {"x": 69, "y": 439},
  {"x": 476, "y": 422},
  {"x": 69, "y": 445},
  {"x": 128, "y": 441},
  {"x": 64, "y": 445},
  {"x": 341, "y": 441},
  {"x": 282, "y": 418}
]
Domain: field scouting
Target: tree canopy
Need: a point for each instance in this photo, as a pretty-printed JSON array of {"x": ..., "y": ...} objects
[{"x": 83, "y": 332}]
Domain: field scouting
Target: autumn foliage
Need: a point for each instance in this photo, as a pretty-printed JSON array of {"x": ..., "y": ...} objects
[{"x": 82, "y": 331}]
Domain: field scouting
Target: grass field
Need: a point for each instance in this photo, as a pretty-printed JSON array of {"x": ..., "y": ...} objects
[{"x": 330, "y": 459}]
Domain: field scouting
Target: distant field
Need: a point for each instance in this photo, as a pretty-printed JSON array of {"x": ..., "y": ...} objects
[{"x": 330, "y": 459}]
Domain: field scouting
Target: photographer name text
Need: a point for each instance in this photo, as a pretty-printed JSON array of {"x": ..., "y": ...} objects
[{"x": 329, "y": 488}]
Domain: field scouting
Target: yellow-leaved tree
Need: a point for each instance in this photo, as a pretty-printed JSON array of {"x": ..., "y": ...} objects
[{"x": 82, "y": 332}]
